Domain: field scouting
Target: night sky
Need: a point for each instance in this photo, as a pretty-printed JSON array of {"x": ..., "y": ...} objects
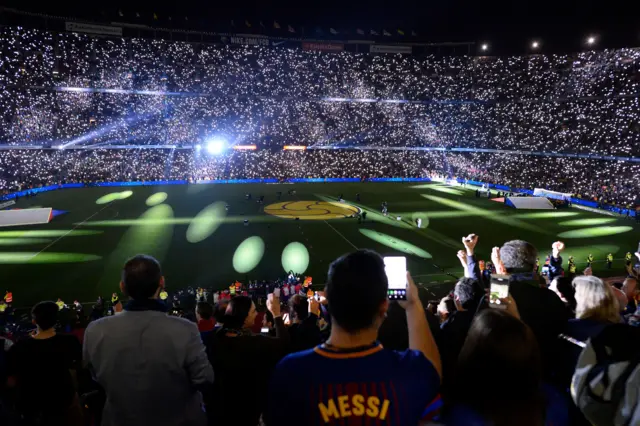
[{"x": 509, "y": 27}]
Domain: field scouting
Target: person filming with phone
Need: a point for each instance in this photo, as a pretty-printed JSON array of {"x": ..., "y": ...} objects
[{"x": 352, "y": 375}]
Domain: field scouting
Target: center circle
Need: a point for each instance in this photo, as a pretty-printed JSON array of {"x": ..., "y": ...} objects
[{"x": 312, "y": 210}]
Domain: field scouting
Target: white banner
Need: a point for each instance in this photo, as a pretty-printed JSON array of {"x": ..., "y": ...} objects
[
  {"x": 77, "y": 27},
  {"x": 539, "y": 192},
  {"x": 379, "y": 48},
  {"x": 7, "y": 204},
  {"x": 25, "y": 217}
]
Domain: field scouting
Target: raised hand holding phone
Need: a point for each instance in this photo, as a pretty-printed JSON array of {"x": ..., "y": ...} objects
[{"x": 396, "y": 269}]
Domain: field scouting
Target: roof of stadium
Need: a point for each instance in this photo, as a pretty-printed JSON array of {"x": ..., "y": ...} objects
[{"x": 506, "y": 27}]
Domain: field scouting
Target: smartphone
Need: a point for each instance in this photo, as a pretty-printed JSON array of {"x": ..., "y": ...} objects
[
  {"x": 499, "y": 290},
  {"x": 276, "y": 292},
  {"x": 264, "y": 330},
  {"x": 396, "y": 270},
  {"x": 316, "y": 296}
]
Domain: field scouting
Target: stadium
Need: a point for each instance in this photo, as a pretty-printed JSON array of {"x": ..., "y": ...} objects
[{"x": 247, "y": 161}]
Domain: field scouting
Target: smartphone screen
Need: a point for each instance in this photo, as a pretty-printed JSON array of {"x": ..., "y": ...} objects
[
  {"x": 264, "y": 330},
  {"x": 396, "y": 269},
  {"x": 499, "y": 290}
]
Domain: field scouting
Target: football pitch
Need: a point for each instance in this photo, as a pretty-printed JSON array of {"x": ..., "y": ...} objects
[{"x": 198, "y": 232}]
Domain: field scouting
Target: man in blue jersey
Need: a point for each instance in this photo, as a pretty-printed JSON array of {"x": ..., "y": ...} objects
[{"x": 352, "y": 379}]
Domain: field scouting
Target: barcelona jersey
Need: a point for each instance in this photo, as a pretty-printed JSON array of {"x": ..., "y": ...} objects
[{"x": 369, "y": 386}]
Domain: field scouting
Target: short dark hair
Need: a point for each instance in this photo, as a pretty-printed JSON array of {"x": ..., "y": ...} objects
[
  {"x": 299, "y": 307},
  {"x": 45, "y": 314},
  {"x": 205, "y": 310},
  {"x": 356, "y": 287},
  {"x": 518, "y": 256},
  {"x": 468, "y": 292},
  {"x": 237, "y": 312},
  {"x": 219, "y": 310},
  {"x": 141, "y": 277}
]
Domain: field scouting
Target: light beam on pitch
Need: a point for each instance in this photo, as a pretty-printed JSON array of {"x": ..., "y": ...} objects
[
  {"x": 48, "y": 233},
  {"x": 545, "y": 215},
  {"x": 22, "y": 241},
  {"x": 248, "y": 254},
  {"x": 395, "y": 243},
  {"x": 114, "y": 196},
  {"x": 155, "y": 199},
  {"x": 16, "y": 258},
  {"x": 206, "y": 222},
  {"x": 295, "y": 257},
  {"x": 588, "y": 222},
  {"x": 601, "y": 231}
]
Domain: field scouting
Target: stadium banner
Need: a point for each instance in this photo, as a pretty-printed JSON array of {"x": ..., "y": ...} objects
[
  {"x": 21, "y": 217},
  {"x": 141, "y": 183},
  {"x": 77, "y": 27},
  {"x": 398, "y": 179},
  {"x": 381, "y": 48},
  {"x": 208, "y": 181},
  {"x": 539, "y": 192},
  {"x": 323, "y": 47},
  {"x": 250, "y": 40}
]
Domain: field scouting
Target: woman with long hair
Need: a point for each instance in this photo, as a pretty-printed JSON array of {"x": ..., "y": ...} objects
[
  {"x": 498, "y": 378},
  {"x": 242, "y": 363}
]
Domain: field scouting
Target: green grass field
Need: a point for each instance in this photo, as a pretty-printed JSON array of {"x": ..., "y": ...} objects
[{"x": 79, "y": 254}]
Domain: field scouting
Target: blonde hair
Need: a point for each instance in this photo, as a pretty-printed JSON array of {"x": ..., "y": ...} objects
[{"x": 595, "y": 300}]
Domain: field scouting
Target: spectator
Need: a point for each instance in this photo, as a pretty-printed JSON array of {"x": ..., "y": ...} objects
[
  {"x": 631, "y": 290},
  {"x": 596, "y": 307},
  {"x": 204, "y": 316},
  {"x": 453, "y": 331},
  {"x": 563, "y": 287},
  {"x": 150, "y": 365},
  {"x": 539, "y": 307},
  {"x": 446, "y": 308},
  {"x": 242, "y": 362},
  {"x": 351, "y": 375},
  {"x": 304, "y": 330},
  {"x": 498, "y": 380},
  {"x": 219, "y": 311},
  {"x": 43, "y": 369}
]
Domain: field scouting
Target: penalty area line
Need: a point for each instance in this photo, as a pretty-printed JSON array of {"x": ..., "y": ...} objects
[
  {"x": 68, "y": 232},
  {"x": 339, "y": 233}
]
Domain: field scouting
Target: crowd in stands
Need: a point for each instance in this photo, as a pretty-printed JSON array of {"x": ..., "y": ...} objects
[
  {"x": 344, "y": 353},
  {"x": 582, "y": 103},
  {"x": 607, "y": 181}
]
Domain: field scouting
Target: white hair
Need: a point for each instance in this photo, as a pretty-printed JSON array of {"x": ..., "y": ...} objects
[{"x": 595, "y": 300}]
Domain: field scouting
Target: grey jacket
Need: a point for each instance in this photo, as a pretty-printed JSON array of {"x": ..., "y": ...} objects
[{"x": 150, "y": 366}]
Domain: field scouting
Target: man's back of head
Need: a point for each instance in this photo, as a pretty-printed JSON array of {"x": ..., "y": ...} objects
[
  {"x": 299, "y": 307},
  {"x": 518, "y": 256},
  {"x": 468, "y": 293},
  {"x": 356, "y": 289},
  {"x": 45, "y": 315},
  {"x": 142, "y": 277}
]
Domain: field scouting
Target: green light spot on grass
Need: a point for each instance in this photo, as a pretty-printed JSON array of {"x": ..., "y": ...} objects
[
  {"x": 22, "y": 241},
  {"x": 48, "y": 233},
  {"x": 587, "y": 222},
  {"x": 395, "y": 243},
  {"x": 600, "y": 231},
  {"x": 206, "y": 222},
  {"x": 114, "y": 196},
  {"x": 447, "y": 190},
  {"x": 15, "y": 258},
  {"x": 295, "y": 257},
  {"x": 157, "y": 198},
  {"x": 248, "y": 254},
  {"x": 545, "y": 215}
]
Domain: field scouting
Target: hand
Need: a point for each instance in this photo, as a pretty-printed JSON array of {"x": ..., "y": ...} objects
[
  {"x": 314, "y": 306},
  {"x": 273, "y": 305},
  {"x": 557, "y": 247},
  {"x": 412, "y": 294},
  {"x": 497, "y": 261},
  {"x": 462, "y": 256},
  {"x": 470, "y": 242},
  {"x": 588, "y": 271},
  {"x": 512, "y": 306}
]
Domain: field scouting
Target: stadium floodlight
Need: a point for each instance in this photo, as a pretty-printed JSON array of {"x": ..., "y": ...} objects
[
  {"x": 215, "y": 146},
  {"x": 198, "y": 147},
  {"x": 535, "y": 45},
  {"x": 484, "y": 47},
  {"x": 591, "y": 40}
]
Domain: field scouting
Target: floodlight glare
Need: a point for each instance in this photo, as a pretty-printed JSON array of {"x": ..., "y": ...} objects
[{"x": 215, "y": 146}]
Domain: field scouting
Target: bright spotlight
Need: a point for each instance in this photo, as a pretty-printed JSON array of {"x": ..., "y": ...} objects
[
  {"x": 215, "y": 146},
  {"x": 198, "y": 147},
  {"x": 535, "y": 45},
  {"x": 591, "y": 40},
  {"x": 484, "y": 47}
]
